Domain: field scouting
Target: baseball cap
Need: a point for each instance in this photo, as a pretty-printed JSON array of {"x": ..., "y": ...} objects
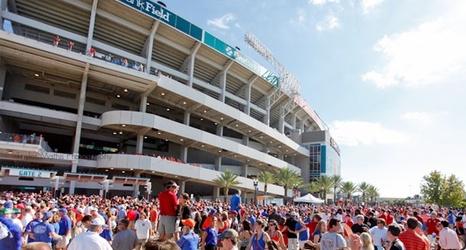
[
  {"x": 16, "y": 211},
  {"x": 47, "y": 215},
  {"x": 293, "y": 214},
  {"x": 189, "y": 222},
  {"x": 228, "y": 234},
  {"x": 6, "y": 211},
  {"x": 97, "y": 222},
  {"x": 63, "y": 210},
  {"x": 55, "y": 210}
]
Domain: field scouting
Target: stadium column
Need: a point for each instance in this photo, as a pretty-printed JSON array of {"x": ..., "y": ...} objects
[
  {"x": 247, "y": 94},
  {"x": 192, "y": 58},
  {"x": 3, "y": 4},
  {"x": 90, "y": 32},
  {"x": 216, "y": 193},
  {"x": 149, "y": 45},
  {"x": 244, "y": 166},
  {"x": 79, "y": 123},
  {"x": 281, "y": 120},
  {"x": 184, "y": 148},
  {"x": 267, "y": 111},
  {"x": 2, "y": 77},
  {"x": 223, "y": 81},
  {"x": 140, "y": 136},
  {"x": 218, "y": 159},
  {"x": 136, "y": 187}
]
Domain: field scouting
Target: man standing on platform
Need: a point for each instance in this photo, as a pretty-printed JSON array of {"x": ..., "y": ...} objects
[{"x": 168, "y": 209}]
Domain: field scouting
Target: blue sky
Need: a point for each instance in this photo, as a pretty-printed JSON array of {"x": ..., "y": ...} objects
[{"x": 387, "y": 77}]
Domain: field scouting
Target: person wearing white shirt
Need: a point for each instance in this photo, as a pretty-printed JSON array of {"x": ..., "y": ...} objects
[
  {"x": 447, "y": 237},
  {"x": 91, "y": 239},
  {"x": 379, "y": 234},
  {"x": 143, "y": 229}
]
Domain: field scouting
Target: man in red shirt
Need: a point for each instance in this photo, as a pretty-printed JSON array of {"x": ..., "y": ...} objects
[
  {"x": 432, "y": 223},
  {"x": 410, "y": 238},
  {"x": 168, "y": 205}
]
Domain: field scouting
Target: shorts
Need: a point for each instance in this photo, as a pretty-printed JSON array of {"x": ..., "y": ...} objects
[
  {"x": 167, "y": 224},
  {"x": 63, "y": 243}
]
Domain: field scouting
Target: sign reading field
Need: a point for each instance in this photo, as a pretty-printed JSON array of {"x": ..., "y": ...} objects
[{"x": 159, "y": 12}]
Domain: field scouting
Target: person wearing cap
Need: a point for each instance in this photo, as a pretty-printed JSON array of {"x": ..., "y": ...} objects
[
  {"x": 65, "y": 229},
  {"x": 189, "y": 240},
  {"x": 431, "y": 224},
  {"x": 289, "y": 228},
  {"x": 91, "y": 239},
  {"x": 168, "y": 210},
  {"x": 30, "y": 225},
  {"x": 44, "y": 231},
  {"x": 16, "y": 213},
  {"x": 10, "y": 233},
  {"x": 229, "y": 239}
]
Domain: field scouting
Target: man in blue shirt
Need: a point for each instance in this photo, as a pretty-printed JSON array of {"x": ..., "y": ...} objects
[
  {"x": 235, "y": 201},
  {"x": 65, "y": 229},
  {"x": 43, "y": 231},
  {"x": 189, "y": 240}
]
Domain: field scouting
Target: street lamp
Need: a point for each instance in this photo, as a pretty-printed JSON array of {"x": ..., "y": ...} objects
[{"x": 255, "y": 182}]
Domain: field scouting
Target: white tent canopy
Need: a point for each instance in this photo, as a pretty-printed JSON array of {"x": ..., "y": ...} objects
[{"x": 308, "y": 198}]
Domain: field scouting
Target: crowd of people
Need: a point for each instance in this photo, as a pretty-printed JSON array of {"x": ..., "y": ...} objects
[{"x": 174, "y": 221}]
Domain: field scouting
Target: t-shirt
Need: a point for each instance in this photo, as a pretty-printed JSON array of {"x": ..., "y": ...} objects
[
  {"x": 42, "y": 232},
  {"x": 124, "y": 240},
  {"x": 168, "y": 201},
  {"x": 291, "y": 224},
  {"x": 65, "y": 224},
  {"x": 304, "y": 235},
  {"x": 332, "y": 241},
  {"x": 234, "y": 203},
  {"x": 188, "y": 241},
  {"x": 143, "y": 228}
]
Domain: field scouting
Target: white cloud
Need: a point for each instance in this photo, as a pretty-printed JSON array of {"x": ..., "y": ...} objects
[
  {"x": 426, "y": 119},
  {"x": 433, "y": 52},
  {"x": 322, "y": 2},
  {"x": 369, "y": 5},
  {"x": 329, "y": 23},
  {"x": 353, "y": 133},
  {"x": 222, "y": 22}
]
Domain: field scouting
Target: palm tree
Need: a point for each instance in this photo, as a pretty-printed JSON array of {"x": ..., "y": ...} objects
[
  {"x": 266, "y": 177},
  {"x": 348, "y": 188},
  {"x": 286, "y": 178},
  {"x": 363, "y": 187},
  {"x": 313, "y": 187},
  {"x": 373, "y": 193},
  {"x": 336, "y": 181},
  {"x": 325, "y": 183},
  {"x": 226, "y": 180}
]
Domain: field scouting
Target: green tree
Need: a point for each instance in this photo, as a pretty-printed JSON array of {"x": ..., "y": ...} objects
[
  {"x": 325, "y": 183},
  {"x": 287, "y": 178},
  {"x": 348, "y": 188},
  {"x": 363, "y": 187},
  {"x": 453, "y": 193},
  {"x": 266, "y": 177},
  {"x": 373, "y": 193},
  {"x": 312, "y": 187},
  {"x": 336, "y": 182},
  {"x": 432, "y": 187},
  {"x": 226, "y": 180}
]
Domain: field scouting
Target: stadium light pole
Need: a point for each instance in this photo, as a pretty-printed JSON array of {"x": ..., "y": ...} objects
[{"x": 255, "y": 182}]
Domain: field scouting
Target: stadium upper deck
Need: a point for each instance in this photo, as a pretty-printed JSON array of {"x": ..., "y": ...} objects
[{"x": 111, "y": 84}]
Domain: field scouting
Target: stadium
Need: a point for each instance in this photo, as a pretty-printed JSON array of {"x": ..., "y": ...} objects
[{"x": 118, "y": 97}]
